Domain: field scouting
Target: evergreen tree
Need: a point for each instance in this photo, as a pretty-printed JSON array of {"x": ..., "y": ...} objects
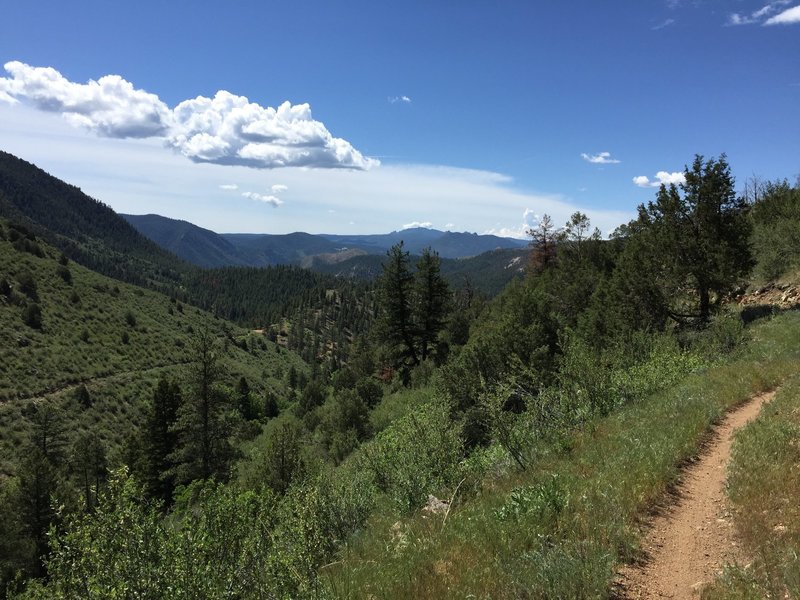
[
  {"x": 544, "y": 238},
  {"x": 82, "y": 395},
  {"x": 431, "y": 301},
  {"x": 39, "y": 478},
  {"x": 270, "y": 405},
  {"x": 161, "y": 440},
  {"x": 244, "y": 400},
  {"x": 396, "y": 323},
  {"x": 697, "y": 240},
  {"x": 48, "y": 432},
  {"x": 16, "y": 548},
  {"x": 203, "y": 425},
  {"x": 89, "y": 465},
  {"x": 38, "y": 481},
  {"x": 291, "y": 378}
]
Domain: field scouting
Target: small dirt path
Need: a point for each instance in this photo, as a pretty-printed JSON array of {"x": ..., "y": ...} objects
[{"x": 691, "y": 539}]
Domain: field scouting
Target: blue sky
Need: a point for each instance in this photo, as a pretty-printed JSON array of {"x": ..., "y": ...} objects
[{"x": 468, "y": 115}]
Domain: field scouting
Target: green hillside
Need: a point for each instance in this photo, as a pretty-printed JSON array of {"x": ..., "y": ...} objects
[
  {"x": 85, "y": 229},
  {"x": 115, "y": 338}
]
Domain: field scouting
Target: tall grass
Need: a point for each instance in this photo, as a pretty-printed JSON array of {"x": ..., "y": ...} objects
[
  {"x": 558, "y": 530},
  {"x": 764, "y": 487}
]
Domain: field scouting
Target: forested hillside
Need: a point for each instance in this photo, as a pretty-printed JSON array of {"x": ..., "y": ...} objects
[
  {"x": 460, "y": 445},
  {"x": 85, "y": 229}
]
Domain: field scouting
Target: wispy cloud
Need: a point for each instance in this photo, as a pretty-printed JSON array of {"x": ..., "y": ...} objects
[
  {"x": 229, "y": 186},
  {"x": 767, "y": 12},
  {"x": 279, "y": 188},
  {"x": 602, "y": 158},
  {"x": 226, "y": 129},
  {"x": 663, "y": 24},
  {"x": 396, "y": 99},
  {"x": 266, "y": 198},
  {"x": 661, "y": 178}
]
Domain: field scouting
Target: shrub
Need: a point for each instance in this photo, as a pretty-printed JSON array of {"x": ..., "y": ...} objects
[
  {"x": 369, "y": 390},
  {"x": 64, "y": 273},
  {"x": 82, "y": 396},
  {"x": 32, "y": 315},
  {"x": 417, "y": 455},
  {"x": 27, "y": 284}
]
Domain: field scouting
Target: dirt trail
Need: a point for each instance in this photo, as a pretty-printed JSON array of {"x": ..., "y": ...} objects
[{"x": 692, "y": 539}]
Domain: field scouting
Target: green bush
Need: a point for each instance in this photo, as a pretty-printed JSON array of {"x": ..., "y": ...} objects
[
  {"x": 417, "y": 455},
  {"x": 27, "y": 284},
  {"x": 32, "y": 315}
]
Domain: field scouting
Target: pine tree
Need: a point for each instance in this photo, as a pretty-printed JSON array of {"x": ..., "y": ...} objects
[
  {"x": 89, "y": 465},
  {"x": 395, "y": 287},
  {"x": 38, "y": 480},
  {"x": 244, "y": 400},
  {"x": 203, "y": 426},
  {"x": 161, "y": 440},
  {"x": 697, "y": 240},
  {"x": 431, "y": 301},
  {"x": 544, "y": 238}
]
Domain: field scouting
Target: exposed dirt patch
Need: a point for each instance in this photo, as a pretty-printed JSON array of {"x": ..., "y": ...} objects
[
  {"x": 779, "y": 295},
  {"x": 691, "y": 540}
]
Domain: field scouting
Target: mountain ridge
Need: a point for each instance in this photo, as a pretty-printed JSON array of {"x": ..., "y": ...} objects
[{"x": 206, "y": 248}]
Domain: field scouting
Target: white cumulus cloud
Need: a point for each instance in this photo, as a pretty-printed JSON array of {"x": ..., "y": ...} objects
[
  {"x": 267, "y": 198},
  {"x": 226, "y": 129},
  {"x": 787, "y": 17},
  {"x": 229, "y": 186},
  {"x": 602, "y": 158},
  {"x": 109, "y": 106},
  {"x": 396, "y": 99},
  {"x": 661, "y": 178},
  {"x": 278, "y": 188},
  {"x": 416, "y": 224},
  {"x": 529, "y": 221}
]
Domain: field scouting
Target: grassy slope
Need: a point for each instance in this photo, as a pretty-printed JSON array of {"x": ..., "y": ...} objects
[
  {"x": 559, "y": 529},
  {"x": 763, "y": 486},
  {"x": 81, "y": 342}
]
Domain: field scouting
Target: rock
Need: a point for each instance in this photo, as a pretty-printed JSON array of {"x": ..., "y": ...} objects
[{"x": 435, "y": 506}]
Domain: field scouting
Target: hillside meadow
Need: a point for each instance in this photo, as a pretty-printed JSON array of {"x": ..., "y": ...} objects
[{"x": 111, "y": 338}]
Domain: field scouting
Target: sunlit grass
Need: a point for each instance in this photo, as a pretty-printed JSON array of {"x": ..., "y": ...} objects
[
  {"x": 763, "y": 487},
  {"x": 559, "y": 529}
]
